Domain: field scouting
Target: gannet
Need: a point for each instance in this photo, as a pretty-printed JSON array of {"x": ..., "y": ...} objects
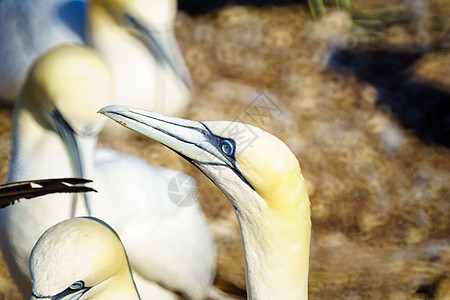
[
  {"x": 135, "y": 37},
  {"x": 12, "y": 192},
  {"x": 54, "y": 135},
  {"x": 63, "y": 264},
  {"x": 262, "y": 180}
]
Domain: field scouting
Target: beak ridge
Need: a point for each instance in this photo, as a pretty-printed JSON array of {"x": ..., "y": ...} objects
[{"x": 81, "y": 150}]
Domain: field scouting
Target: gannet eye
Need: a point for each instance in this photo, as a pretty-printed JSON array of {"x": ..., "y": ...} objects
[
  {"x": 77, "y": 285},
  {"x": 227, "y": 147},
  {"x": 130, "y": 20}
]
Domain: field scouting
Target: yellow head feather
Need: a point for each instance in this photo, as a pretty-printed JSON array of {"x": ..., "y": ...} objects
[
  {"x": 268, "y": 165},
  {"x": 274, "y": 171},
  {"x": 72, "y": 79}
]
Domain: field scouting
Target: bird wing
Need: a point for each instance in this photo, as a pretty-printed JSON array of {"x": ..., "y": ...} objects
[
  {"x": 166, "y": 243},
  {"x": 11, "y": 192}
]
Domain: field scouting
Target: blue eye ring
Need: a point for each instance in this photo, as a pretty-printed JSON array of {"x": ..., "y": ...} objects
[
  {"x": 77, "y": 285},
  {"x": 227, "y": 147}
]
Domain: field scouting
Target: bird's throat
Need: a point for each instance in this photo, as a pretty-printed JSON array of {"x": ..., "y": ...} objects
[{"x": 276, "y": 252}]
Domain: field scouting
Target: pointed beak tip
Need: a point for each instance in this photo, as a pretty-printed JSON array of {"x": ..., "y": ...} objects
[
  {"x": 107, "y": 109},
  {"x": 111, "y": 110}
]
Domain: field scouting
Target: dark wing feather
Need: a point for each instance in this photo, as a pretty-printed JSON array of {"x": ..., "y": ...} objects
[{"x": 11, "y": 192}]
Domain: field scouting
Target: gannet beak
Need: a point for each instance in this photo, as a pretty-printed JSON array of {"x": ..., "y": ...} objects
[
  {"x": 164, "y": 47},
  {"x": 65, "y": 295},
  {"x": 81, "y": 150},
  {"x": 190, "y": 139},
  {"x": 36, "y": 298}
]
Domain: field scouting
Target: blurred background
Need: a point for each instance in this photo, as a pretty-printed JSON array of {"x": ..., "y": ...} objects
[{"x": 359, "y": 91}]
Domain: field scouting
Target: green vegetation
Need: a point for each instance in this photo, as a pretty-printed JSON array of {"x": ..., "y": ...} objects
[{"x": 365, "y": 21}]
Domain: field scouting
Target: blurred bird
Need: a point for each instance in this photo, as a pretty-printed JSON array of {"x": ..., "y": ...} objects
[
  {"x": 54, "y": 134},
  {"x": 11, "y": 192},
  {"x": 263, "y": 182},
  {"x": 135, "y": 37},
  {"x": 63, "y": 265}
]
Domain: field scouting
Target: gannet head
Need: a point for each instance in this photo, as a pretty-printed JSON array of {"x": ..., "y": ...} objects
[
  {"x": 79, "y": 258},
  {"x": 262, "y": 180},
  {"x": 71, "y": 81},
  {"x": 251, "y": 167},
  {"x": 64, "y": 89},
  {"x": 149, "y": 21}
]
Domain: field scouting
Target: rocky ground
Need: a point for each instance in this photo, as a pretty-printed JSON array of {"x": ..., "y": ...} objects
[{"x": 366, "y": 109}]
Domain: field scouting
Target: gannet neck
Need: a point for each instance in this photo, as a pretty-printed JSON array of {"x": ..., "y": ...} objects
[
  {"x": 276, "y": 250},
  {"x": 275, "y": 233}
]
